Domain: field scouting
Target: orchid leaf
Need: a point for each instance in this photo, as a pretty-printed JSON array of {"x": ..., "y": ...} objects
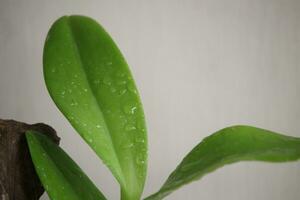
[
  {"x": 59, "y": 174},
  {"x": 90, "y": 82},
  {"x": 230, "y": 145}
]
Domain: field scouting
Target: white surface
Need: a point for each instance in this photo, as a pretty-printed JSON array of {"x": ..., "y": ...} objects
[{"x": 199, "y": 66}]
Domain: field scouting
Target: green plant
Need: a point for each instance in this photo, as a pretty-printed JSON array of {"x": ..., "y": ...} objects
[{"x": 89, "y": 81}]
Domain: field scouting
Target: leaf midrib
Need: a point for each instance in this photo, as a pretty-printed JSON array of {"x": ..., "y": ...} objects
[{"x": 77, "y": 52}]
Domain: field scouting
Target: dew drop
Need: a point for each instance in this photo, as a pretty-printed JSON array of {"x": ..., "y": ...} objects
[
  {"x": 140, "y": 161},
  {"x": 129, "y": 109},
  {"x": 121, "y": 82},
  {"x": 122, "y": 91},
  {"x": 144, "y": 150},
  {"x": 131, "y": 88},
  {"x": 128, "y": 146},
  {"x": 73, "y": 103},
  {"x": 71, "y": 117},
  {"x": 53, "y": 70},
  {"x": 107, "y": 80},
  {"x": 109, "y": 63},
  {"x": 130, "y": 127},
  {"x": 140, "y": 140},
  {"x": 120, "y": 74},
  {"x": 141, "y": 125},
  {"x": 98, "y": 126},
  {"x": 63, "y": 94},
  {"x": 85, "y": 89}
]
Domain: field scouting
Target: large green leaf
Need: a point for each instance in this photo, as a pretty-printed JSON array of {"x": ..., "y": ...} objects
[
  {"x": 229, "y": 145},
  {"x": 59, "y": 174},
  {"x": 89, "y": 81}
]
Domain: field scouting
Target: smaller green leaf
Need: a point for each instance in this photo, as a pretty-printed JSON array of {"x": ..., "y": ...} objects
[
  {"x": 60, "y": 175},
  {"x": 229, "y": 145}
]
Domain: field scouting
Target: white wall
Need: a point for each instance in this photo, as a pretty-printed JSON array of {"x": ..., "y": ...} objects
[{"x": 200, "y": 65}]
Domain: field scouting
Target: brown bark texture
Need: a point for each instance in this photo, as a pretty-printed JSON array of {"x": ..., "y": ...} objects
[{"x": 18, "y": 179}]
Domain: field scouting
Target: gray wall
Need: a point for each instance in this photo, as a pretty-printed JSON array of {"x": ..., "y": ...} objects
[{"x": 200, "y": 66}]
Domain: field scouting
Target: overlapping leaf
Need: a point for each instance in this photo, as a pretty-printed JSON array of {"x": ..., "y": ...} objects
[{"x": 59, "y": 174}]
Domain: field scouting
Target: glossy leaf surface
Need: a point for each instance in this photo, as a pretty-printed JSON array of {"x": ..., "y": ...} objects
[
  {"x": 229, "y": 145},
  {"x": 89, "y": 81},
  {"x": 59, "y": 174}
]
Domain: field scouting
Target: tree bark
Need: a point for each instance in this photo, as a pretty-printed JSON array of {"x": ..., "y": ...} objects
[{"x": 18, "y": 179}]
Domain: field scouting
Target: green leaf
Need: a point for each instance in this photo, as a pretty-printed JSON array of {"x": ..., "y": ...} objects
[
  {"x": 229, "y": 145},
  {"x": 89, "y": 81},
  {"x": 59, "y": 174}
]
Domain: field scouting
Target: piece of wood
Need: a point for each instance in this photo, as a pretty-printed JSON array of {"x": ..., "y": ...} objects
[{"x": 18, "y": 179}]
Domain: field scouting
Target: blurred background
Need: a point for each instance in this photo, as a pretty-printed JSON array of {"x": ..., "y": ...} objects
[{"x": 200, "y": 65}]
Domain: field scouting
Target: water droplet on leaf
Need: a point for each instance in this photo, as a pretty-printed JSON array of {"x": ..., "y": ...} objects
[
  {"x": 129, "y": 109},
  {"x": 140, "y": 161},
  {"x": 121, "y": 82},
  {"x": 73, "y": 103},
  {"x": 122, "y": 91},
  {"x": 120, "y": 74},
  {"x": 128, "y": 146},
  {"x": 131, "y": 88},
  {"x": 140, "y": 140},
  {"x": 107, "y": 80},
  {"x": 130, "y": 127},
  {"x": 98, "y": 126}
]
